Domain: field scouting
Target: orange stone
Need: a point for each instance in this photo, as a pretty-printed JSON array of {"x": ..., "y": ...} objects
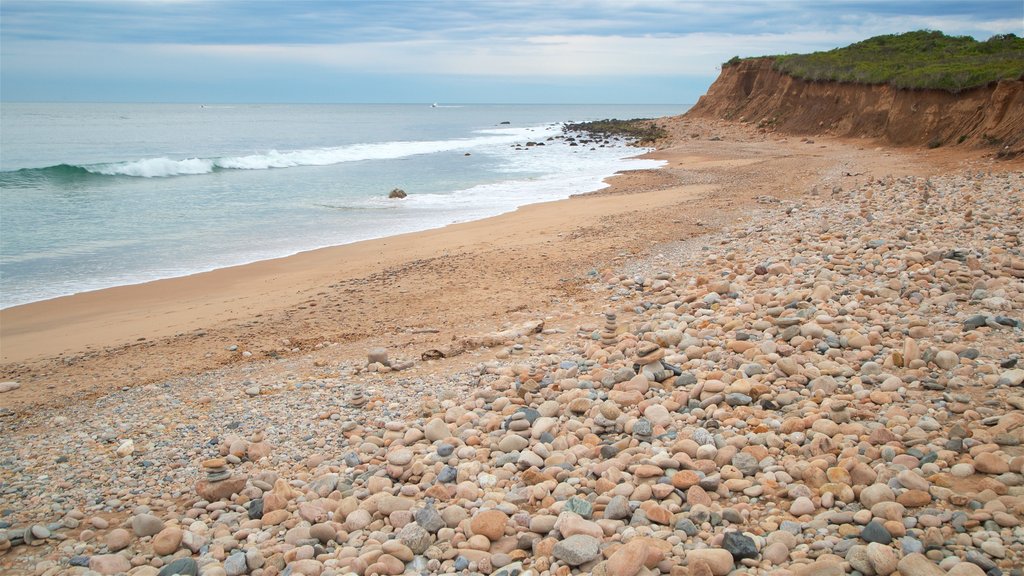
[
  {"x": 683, "y": 479},
  {"x": 490, "y": 523}
]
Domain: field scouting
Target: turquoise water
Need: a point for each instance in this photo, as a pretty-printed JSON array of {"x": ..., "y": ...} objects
[{"x": 100, "y": 195}]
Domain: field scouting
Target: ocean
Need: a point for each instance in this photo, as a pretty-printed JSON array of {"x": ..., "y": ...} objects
[{"x": 100, "y": 195}]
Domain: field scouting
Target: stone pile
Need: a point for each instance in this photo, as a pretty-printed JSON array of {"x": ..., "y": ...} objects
[
  {"x": 357, "y": 397},
  {"x": 611, "y": 328},
  {"x": 216, "y": 470},
  {"x": 218, "y": 481}
]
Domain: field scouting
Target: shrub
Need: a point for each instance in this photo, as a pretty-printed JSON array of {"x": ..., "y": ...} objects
[{"x": 914, "y": 60}]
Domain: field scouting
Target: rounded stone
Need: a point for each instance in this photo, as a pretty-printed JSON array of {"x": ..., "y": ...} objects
[
  {"x": 989, "y": 463},
  {"x": 876, "y": 493},
  {"x": 146, "y": 525},
  {"x": 109, "y": 564},
  {"x": 628, "y": 559},
  {"x": 883, "y": 558},
  {"x": 719, "y": 561},
  {"x": 802, "y": 505},
  {"x": 436, "y": 430},
  {"x": 400, "y": 457},
  {"x": 576, "y": 550},
  {"x": 118, "y": 539},
  {"x": 167, "y": 541},
  {"x": 490, "y": 523},
  {"x": 415, "y": 537},
  {"x": 946, "y": 359}
]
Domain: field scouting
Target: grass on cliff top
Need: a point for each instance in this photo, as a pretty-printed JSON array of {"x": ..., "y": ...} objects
[
  {"x": 637, "y": 130},
  {"x": 914, "y": 60}
]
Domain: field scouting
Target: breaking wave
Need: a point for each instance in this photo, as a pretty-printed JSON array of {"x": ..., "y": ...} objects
[{"x": 168, "y": 167}]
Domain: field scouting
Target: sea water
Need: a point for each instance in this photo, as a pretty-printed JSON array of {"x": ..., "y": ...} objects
[{"x": 100, "y": 195}]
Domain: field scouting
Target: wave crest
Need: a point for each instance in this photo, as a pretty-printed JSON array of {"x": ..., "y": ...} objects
[
  {"x": 155, "y": 167},
  {"x": 166, "y": 167}
]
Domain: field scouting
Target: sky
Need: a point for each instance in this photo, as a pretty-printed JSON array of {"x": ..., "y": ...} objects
[{"x": 454, "y": 51}]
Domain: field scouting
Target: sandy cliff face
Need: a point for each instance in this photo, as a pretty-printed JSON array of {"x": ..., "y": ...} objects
[{"x": 751, "y": 90}]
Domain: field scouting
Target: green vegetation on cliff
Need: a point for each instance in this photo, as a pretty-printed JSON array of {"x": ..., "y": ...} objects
[{"x": 922, "y": 59}]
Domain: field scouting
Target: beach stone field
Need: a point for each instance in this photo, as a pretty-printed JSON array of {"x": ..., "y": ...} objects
[{"x": 833, "y": 386}]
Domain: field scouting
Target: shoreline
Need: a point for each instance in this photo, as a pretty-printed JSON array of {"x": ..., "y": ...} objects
[
  {"x": 416, "y": 214},
  {"x": 603, "y": 185},
  {"x": 374, "y": 292},
  {"x": 280, "y": 272}
]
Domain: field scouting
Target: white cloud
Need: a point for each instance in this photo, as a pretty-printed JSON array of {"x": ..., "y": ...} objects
[{"x": 581, "y": 55}]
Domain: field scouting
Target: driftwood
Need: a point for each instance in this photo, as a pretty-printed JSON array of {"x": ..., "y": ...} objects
[
  {"x": 446, "y": 351},
  {"x": 487, "y": 340},
  {"x": 492, "y": 339}
]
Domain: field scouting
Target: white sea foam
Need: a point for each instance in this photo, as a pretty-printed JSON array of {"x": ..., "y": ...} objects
[
  {"x": 155, "y": 167},
  {"x": 166, "y": 167}
]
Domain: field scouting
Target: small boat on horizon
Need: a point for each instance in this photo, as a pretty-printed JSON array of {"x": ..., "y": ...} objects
[{"x": 434, "y": 105}]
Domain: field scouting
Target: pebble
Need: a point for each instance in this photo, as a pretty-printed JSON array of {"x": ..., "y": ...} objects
[
  {"x": 182, "y": 566},
  {"x": 884, "y": 559},
  {"x": 720, "y": 562},
  {"x": 740, "y": 546},
  {"x": 919, "y": 564},
  {"x": 802, "y": 505},
  {"x": 577, "y": 549},
  {"x": 629, "y": 559},
  {"x": 167, "y": 541},
  {"x": 109, "y": 564},
  {"x": 146, "y": 525},
  {"x": 876, "y": 532},
  {"x": 235, "y": 565},
  {"x": 490, "y": 524},
  {"x": 840, "y": 408},
  {"x": 118, "y": 539}
]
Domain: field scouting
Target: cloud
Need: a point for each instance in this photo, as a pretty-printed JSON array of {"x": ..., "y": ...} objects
[
  {"x": 556, "y": 55},
  {"x": 213, "y": 43}
]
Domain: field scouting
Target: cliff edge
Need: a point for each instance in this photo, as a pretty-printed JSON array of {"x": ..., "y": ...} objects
[{"x": 752, "y": 90}]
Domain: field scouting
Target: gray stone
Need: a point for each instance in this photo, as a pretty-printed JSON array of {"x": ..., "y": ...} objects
[
  {"x": 875, "y": 532},
  {"x": 577, "y": 549},
  {"x": 415, "y": 537},
  {"x": 703, "y": 437},
  {"x": 688, "y": 527},
  {"x": 737, "y": 399},
  {"x": 739, "y": 545},
  {"x": 579, "y": 506},
  {"x": 146, "y": 525},
  {"x": 746, "y": 463},
  {"x": 378, "y": 355},
  {"x": 235, "y": 564},
  {"x": 617, "y": 508},
  {"x": 447, "y": 475},
  {"x": 429, "y": 518},
  {"x": 857, "y": 556},
  {"x": 642, "y": 427},
  {"x": 182, "y": 566}
]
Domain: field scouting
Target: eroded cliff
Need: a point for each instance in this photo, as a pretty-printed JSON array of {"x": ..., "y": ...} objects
[{"x": 752, "y": 90}]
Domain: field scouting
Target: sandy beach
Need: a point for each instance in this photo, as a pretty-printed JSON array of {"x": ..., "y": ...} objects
[
  {"x": 773, "y": 355},
  {"x": 417, "y": 290}
]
